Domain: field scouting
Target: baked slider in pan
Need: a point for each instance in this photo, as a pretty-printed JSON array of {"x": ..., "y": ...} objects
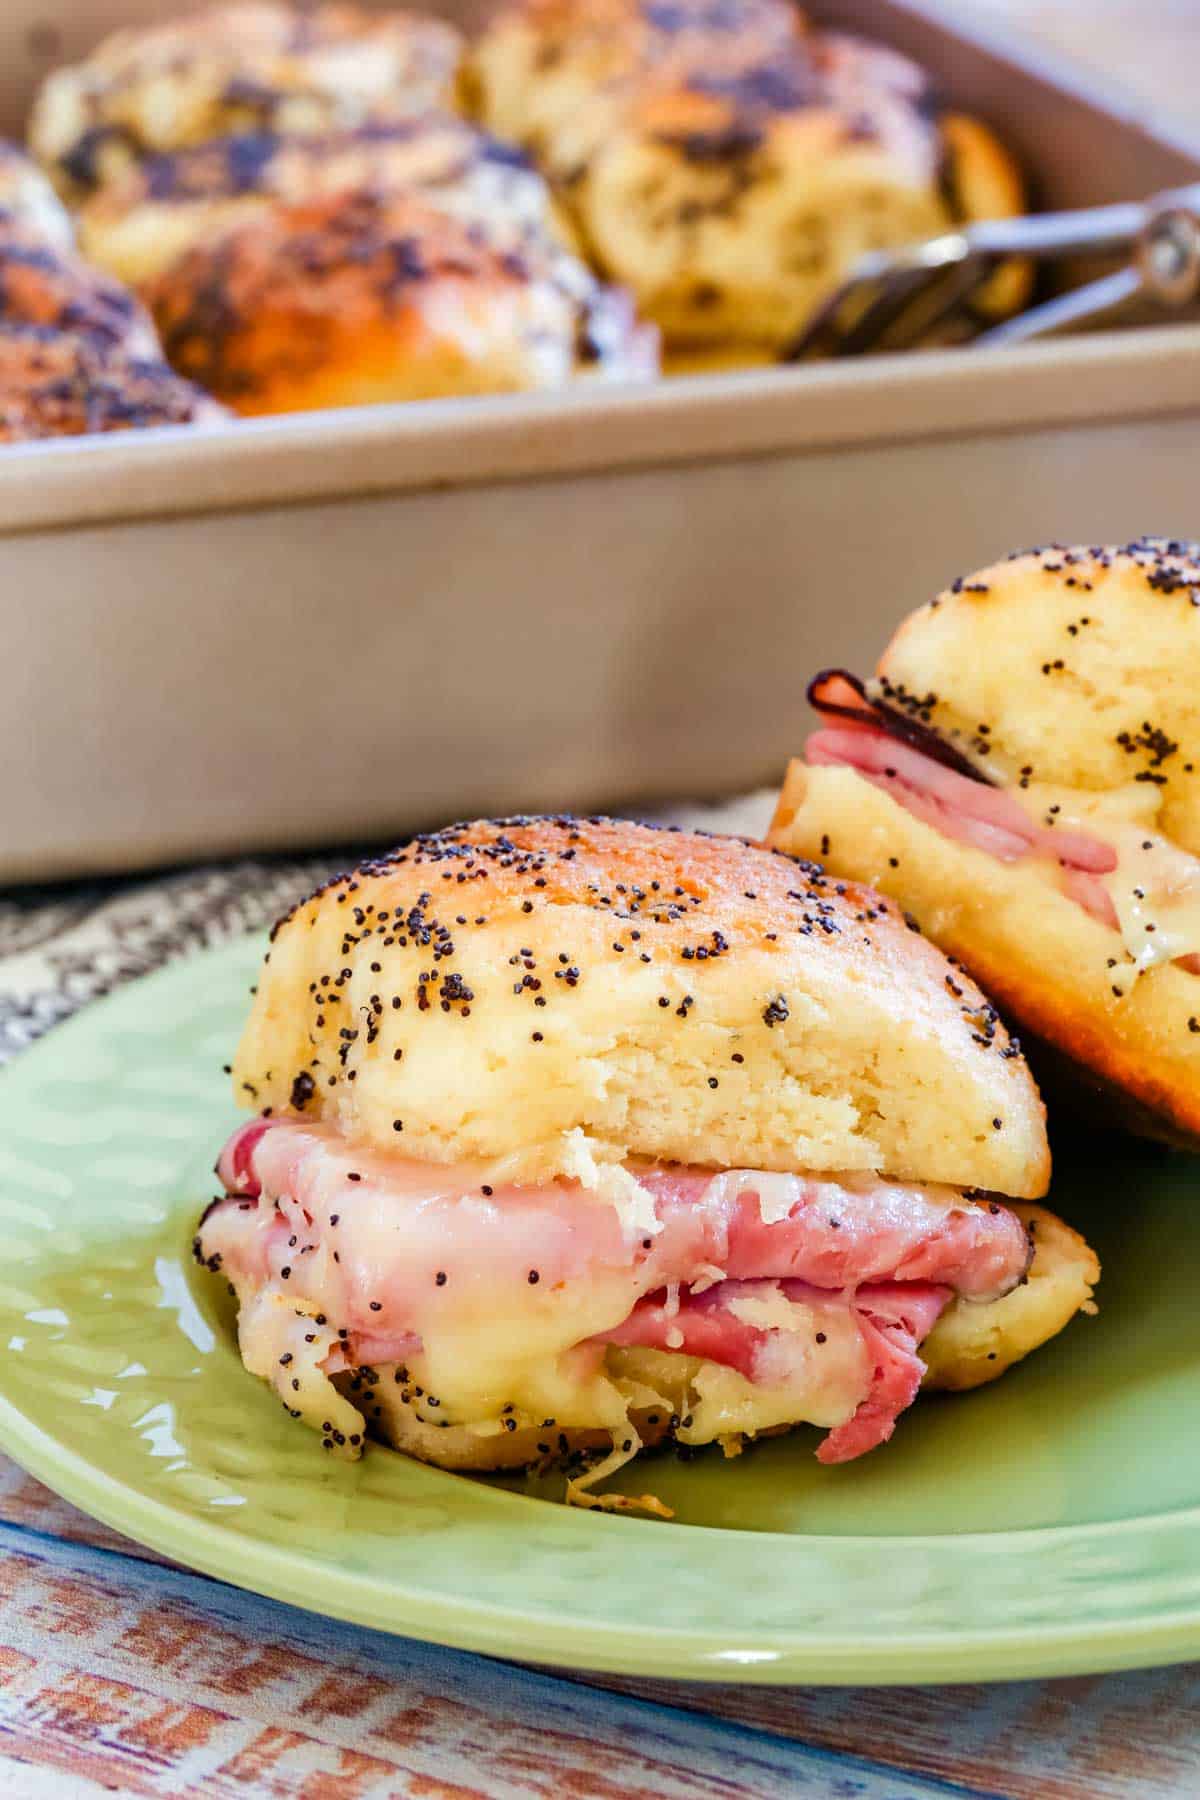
[
  {"x": 66, "y": 384},
  {"x": 725, "y": 161},
  {"x": 138, "y": 226},
  {"x": 575, "y": 1135},
  {"x": 365, "y": 297},
  {"x": 1022, "y": 775},
  {"x": 253, "y": 66}
]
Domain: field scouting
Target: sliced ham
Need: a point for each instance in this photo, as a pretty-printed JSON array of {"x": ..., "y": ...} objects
[
  {"x": 393, "y": 1252},
  {"x": 892, "y": 1319},
  {"x": 989, "y": 818},
  {"x": 934, "y": 782},
  {"x": 838, "y": 695}
]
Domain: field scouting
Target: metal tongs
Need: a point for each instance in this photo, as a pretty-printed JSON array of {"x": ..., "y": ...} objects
[{"x": 895, "y": 300}]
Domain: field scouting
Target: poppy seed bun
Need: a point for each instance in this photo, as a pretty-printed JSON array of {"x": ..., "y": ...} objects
[
  {"x": 249, "y": 67},
  {"x": 1073, "y": 678},
  {"x": 1095, "y": 705},
  {"x": 560, "y": 993},
  {"x": 724, "y": 161},
  {"x": 363, "y": 298}
]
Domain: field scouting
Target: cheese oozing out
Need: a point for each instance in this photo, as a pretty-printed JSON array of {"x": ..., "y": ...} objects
[
  {"x": 728, "y": 1303},
  {"x": 1100, "y": 847}
]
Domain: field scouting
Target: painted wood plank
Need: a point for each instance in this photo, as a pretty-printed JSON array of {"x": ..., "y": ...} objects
[
  {"x": 1113, "y": 1738},
  {"x": 157, "y": 1682},
  {"x": 1116, "y": 1737}
]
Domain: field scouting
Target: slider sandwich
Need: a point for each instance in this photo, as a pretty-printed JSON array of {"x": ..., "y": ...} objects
[
  {"x": 573, "y": 1136},
  {"x": 1022, "y": 775}
]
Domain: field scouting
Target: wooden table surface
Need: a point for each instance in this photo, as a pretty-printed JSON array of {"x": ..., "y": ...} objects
[{"x": 121, "y": 1674}]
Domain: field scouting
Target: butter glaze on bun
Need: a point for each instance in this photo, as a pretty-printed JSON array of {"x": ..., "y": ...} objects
[
  {"x": 560, "y": 992},
  {"x": 249, "y": 67},
  {"x": 1069, "y": 678}
]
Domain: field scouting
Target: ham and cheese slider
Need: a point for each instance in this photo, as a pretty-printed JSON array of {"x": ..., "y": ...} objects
[
  {"x": 1023, "y": 776},
  {"x": 575, "y": 1135}
]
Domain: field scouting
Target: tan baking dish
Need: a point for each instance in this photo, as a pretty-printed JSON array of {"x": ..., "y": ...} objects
[{"x": 337, "y": 625}]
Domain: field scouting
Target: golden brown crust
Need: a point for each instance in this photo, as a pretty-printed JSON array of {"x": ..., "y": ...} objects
[
  {"x": 568, "y": 993},
  {"x": 364, "y": 297},
  {"x": 248, "y": 67},
  {"x": 1046, "y": 963},
  {"x": 56, "y": 384},
  {"x": 1139, "y": 1073}
]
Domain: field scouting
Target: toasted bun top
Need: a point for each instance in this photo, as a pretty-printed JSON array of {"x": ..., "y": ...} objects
[
  {"x": 1071, "y": 667},
  {"x": 58, "y": 384},
  {"x": 557, "y": 992}
]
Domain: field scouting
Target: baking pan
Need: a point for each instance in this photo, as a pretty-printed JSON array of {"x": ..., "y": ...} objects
[{"x": 339, "y": 625}]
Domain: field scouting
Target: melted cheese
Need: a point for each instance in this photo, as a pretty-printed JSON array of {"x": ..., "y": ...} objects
[
  {"x": 777, "y": 1194},
  {"x": 1155, "y": 887},
  {"x": 1156, "y": 893},
  {"x": 717, "y": 1404},
  {"x": 801, "y": 1380}
]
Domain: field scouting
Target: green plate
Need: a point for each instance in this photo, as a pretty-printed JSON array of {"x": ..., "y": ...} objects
[{"x": 1047, "y": 1525}]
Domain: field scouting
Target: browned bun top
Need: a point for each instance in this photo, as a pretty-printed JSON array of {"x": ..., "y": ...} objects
[
  {"x": 58, "y": 384},
  {"x": 369, "y": 296},
  {"x": 521, "y": 988},
  {"x": 43, "y": 286}
]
